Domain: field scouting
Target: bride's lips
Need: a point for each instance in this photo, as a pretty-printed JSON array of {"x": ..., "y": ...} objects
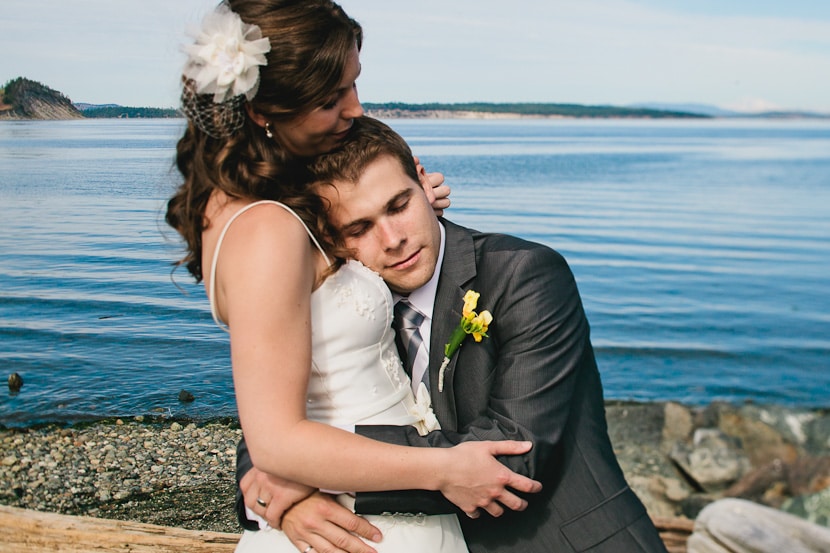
[
  {"x": 339, "y": 136},
  {"x": 406, "y": 263}
]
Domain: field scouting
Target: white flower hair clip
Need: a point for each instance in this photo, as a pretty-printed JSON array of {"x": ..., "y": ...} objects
[{"x": 225, "y": 58}]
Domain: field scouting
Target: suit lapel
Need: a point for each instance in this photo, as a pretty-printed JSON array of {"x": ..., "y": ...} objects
[{"x": 457, "y": 270}]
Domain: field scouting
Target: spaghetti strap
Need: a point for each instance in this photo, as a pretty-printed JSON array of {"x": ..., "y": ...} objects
[{"x": 214, "y": 262}]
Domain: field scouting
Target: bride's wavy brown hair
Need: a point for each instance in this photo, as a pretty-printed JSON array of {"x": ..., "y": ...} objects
[{"x": 310, "y": 44}]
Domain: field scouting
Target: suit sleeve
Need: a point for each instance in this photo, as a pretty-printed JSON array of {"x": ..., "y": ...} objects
[
  {"x": 541, "y": 341},
  {"x": 243, "y": 465}
]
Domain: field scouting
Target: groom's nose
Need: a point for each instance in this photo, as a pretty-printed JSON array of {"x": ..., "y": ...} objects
[{"x": 390, "y": 235}]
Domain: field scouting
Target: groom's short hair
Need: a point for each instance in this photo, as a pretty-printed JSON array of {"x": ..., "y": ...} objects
[{"x": 368, "y": 140}]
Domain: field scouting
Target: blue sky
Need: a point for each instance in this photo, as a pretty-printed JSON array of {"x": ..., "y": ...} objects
[{"x": 737, "y": 54}]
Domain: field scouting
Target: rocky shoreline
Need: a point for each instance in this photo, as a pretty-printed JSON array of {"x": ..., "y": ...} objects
[{"x": 181, "y": 473}]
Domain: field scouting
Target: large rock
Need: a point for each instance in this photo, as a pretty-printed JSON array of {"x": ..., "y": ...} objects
[
  {"x": 813, "y": 507},
  {"x": 762, "y": 442},
  {"x": 660, "y": 495},
  {"x": 792, "y": 424},
  {"x": 818, "y": 435},
  {"x": 740, "y": 526},
  {"x": 809, "y": 475},
  {"x": 775, "y": 482},
  {"x": 768, "y": 485},
  {"x": 678, "y": 425},
  {"x": 712, "y": 461}
]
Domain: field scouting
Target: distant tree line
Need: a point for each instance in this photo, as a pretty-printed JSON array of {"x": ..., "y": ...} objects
[
  {"x": 116, "y": 112},
  {"x": 564, "y": 110}
]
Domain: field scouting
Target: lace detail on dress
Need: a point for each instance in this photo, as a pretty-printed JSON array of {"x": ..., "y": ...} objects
[
  {"x": 390, "y": 520},
  {"x": 394, "y": 368},
  {"x": 361, "y": 301}
]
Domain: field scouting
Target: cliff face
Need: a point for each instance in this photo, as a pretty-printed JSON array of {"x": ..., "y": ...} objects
[{"x": 24, "y": 99}]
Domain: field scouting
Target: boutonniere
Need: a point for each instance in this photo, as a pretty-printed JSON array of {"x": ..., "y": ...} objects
[{"x": 471, "y": 323}]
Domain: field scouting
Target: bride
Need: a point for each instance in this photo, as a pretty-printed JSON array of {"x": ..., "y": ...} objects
[{"x": 268, "y": 85}]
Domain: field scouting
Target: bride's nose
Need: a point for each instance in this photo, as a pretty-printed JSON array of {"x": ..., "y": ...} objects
[{"x": 352, "y": 108}]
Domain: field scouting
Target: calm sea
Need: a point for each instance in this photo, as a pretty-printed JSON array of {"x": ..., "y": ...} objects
[{"x": 702, "y": 252}]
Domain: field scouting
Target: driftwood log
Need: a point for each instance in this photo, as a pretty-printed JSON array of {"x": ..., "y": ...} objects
[
  {"x": 734, "y": 525},
  {"x": 674, "y": 532},
  {"x": 26, "y": 531}
]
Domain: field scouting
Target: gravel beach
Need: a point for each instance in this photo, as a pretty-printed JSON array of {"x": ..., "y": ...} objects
[
  {"x": 181, "y": 473},
  {"x": 173, "y": 473}
]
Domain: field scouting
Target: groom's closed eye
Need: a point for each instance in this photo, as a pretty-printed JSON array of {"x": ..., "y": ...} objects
[
  {"x": 400, "y": 204},
  {"x": 396, "y": 205},
  {"x": 356, "y": 229}
]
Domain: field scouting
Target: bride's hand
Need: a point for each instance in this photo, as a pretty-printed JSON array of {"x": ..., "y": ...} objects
[
  {"x": 277, "y": 495},
  {"x": 322, "y": 523},
  {"x": 437, "y": 192},
  {"x": 474, "y": 479}
]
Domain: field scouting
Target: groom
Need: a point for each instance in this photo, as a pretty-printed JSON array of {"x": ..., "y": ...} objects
[{"x": 534, "y": 378}]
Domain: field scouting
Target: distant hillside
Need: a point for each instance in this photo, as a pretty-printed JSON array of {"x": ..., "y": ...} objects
[
  {"x": 715, "y": 111},
  {"x": 703, "y": 109},
  {"x": 24, "y": 99},
  {"x": 484, "y": 109}
]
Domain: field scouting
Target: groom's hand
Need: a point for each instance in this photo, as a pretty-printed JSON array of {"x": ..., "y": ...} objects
[
  {"x": 277, "y": 495},
  {"x": 475, "y": 479},
  {"x": 327, "y": 526}
]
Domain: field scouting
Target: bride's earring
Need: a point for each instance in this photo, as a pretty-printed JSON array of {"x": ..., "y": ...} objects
[{"x": 268, "y": 132}]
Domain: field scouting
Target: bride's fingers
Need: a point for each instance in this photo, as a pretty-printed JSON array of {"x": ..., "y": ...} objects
[
  {"x": 328, "y": 527},
  {"x": 326, "y": 542},
  {"x": 257, "y": 502}
]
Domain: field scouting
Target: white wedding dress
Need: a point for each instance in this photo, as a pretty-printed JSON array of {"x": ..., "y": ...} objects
[{"x": 357, "y": 378}]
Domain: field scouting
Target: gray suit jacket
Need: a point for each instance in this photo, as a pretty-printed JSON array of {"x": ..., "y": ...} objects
[{"x": 534, "y": 378}]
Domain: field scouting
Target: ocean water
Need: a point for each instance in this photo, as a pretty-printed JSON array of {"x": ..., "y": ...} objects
[{"x": 701, "y": 250}]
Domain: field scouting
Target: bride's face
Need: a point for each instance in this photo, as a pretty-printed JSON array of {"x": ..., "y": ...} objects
[
  {"x": 386, "y": 218},
  {"x": 325, "y": 127}
]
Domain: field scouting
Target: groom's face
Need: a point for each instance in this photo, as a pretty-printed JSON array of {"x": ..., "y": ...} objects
[{"x": 386, "y": 219}]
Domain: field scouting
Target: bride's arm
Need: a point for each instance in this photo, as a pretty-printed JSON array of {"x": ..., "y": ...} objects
[{"x": 264, "y": 282}]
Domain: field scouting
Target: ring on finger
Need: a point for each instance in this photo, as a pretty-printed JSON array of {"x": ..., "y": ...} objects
[
  {"x": 307, "y": 549},
  {"x": 261, "y": 503}
]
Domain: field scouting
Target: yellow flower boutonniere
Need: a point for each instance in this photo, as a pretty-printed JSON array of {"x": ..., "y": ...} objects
[{"x": 471, "y": 323}]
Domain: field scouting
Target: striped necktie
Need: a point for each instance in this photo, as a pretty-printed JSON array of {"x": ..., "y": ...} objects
[{"x": 407, "y": 324}]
